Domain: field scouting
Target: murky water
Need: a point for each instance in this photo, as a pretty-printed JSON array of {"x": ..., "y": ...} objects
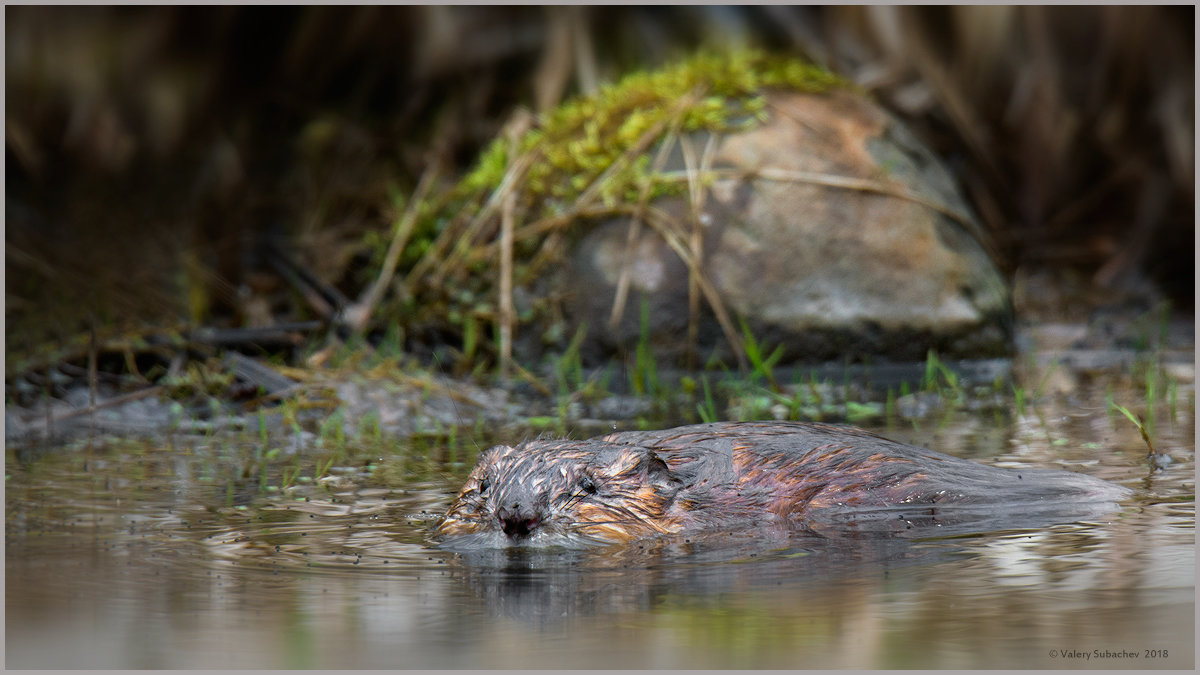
[{"x": 123, "y": 554}]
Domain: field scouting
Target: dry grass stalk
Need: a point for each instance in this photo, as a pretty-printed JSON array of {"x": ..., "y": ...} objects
[
  {"x": 358, "y": 315},
  {"x": 554, "y": 71},
  {"x": 420, "y": 273},
  {"x": 672, "y": 120},
  {"x": 581, "y": 207},
  {"x": 516, "y": 129},
  {"x": 635, "y": 229},
  {"x": 697, "y": 195},
  {"x": 466, "y": 239},
  {"x": 827, "y": 180},
  {"x": 671, "y": 231}
]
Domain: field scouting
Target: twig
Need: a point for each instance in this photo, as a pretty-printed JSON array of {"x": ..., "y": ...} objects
[
  {"x": 324, "y": 299},
  {"x": 357, "y": 316},
  {"x": 280, "y": 333},
  {"x": 258, "y": 374},
  {"x": 134, "y": 396}
]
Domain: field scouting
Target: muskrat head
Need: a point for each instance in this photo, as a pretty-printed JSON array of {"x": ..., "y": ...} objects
[{"x": 547, "y": 493}]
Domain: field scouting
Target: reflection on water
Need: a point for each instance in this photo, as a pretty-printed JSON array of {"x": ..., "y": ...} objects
[{"x": 129, "y": 557}]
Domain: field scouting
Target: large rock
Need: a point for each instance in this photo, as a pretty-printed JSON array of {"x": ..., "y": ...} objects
[{"x": 827, "y": 271}]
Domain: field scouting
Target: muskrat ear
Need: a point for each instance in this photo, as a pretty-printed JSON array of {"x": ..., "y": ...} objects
[
  {"x": 495, "y": 452},
  {"x": 657, "y": 470},
  {"x": 488, "y": 457}
]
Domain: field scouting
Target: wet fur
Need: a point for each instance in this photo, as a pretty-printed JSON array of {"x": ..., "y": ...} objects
[{"x": 630, "y": 485}]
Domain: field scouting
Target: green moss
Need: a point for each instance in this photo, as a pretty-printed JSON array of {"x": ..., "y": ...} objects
[{"x": 581, "y": 139}]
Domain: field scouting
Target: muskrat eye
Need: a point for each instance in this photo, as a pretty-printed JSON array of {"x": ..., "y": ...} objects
[
  {"x": 484, "y": 484},
  {"x": 588, "y": 485}
]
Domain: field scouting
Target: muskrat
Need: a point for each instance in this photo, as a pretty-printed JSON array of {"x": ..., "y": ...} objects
[{"x": 635, "y": 484}]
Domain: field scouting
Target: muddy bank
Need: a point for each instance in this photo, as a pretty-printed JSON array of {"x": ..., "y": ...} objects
[{"x": 399, "y": 405}]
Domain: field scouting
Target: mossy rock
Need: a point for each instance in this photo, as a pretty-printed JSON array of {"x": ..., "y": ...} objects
[
  {"x": 830, "y": 230},
  {"x": 615, "y": 155},
  {"x": 589, "y": 155}
]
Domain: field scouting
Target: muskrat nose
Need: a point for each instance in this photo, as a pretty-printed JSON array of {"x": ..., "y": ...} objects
[{"x": 517, "y": 522}]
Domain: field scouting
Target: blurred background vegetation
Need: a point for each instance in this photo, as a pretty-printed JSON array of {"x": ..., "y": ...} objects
[{"x": 159, "y": 159}]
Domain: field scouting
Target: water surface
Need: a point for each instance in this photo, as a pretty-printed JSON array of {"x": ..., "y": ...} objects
[{"x": 171, "y": 554}]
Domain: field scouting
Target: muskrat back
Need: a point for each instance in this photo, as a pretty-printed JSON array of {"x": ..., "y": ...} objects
[{"x": 635, "y": 484}]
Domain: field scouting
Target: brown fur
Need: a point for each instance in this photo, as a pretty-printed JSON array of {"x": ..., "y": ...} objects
[{"x": 630, "y": 485}]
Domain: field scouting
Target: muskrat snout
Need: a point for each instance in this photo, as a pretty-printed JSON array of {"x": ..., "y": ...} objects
[{"x": 517, "y": 523}]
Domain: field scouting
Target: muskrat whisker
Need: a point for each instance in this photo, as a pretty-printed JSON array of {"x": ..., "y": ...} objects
[{"x": 574, "y": 499}]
